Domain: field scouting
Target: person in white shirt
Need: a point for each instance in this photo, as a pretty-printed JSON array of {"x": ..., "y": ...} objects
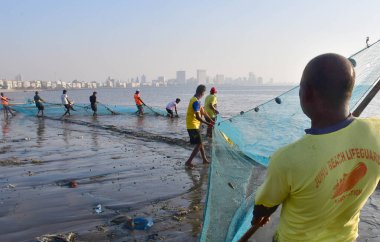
[
  {"x": 172, "y": 106},
  {"x": 66, "y": 102}
]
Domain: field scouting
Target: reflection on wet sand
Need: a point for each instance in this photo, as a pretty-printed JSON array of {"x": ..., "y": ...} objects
[
  {"x": 66, "y": 133},
  {"x": 197, "y": 194},
  {"x": 5, "y": 127},
  {"x": 95, "y": 142},
  {"x": 140, "y": 122},
  {"x": 40, "y": 131}
]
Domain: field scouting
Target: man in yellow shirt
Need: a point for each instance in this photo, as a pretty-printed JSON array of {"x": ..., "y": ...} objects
[
  {"x": 324, "y": 179},
  {"x": 193, "y": 123},
  {"x": 211, "y": 103}
]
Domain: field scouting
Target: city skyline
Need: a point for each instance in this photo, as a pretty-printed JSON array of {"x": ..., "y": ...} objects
[
  {"x": 201, "y": 78},
  {"x": 90, "y": 40}
]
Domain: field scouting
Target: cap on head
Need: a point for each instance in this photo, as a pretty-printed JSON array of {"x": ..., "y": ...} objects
[{"x": 213, "y": 90}]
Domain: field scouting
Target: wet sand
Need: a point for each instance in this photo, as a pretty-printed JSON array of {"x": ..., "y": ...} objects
[
  {"x": 131, "y": 166},
  {"x": 134, "y": 175}
]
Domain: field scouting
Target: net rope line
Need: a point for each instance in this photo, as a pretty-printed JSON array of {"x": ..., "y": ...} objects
[{"x": 29, "y": 108}]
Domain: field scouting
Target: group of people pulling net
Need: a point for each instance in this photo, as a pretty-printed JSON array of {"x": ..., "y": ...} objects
[{"x": 66, "y": 107}]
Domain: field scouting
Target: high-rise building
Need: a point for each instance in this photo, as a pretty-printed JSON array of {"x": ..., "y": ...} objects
[
  {"x": 181, "y": 77},
  {"x": 252, "y": 78},
  {"x": 161, "y": 80},
  {"x": 260, "y": 80},
  {"x": 18, "y": 78},
  {"x": 219, "y": 79},
  {"x": 143, "y": 79},
  {"x": 201, "y": 76}
]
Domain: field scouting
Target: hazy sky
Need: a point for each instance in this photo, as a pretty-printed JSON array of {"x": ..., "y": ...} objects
[{"x": 91, "y": 39}]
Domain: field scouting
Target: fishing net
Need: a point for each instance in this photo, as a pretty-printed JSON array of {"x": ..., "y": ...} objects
[
  {"x": 57, "y": 109},
  {"x": 243, "y": 144}
]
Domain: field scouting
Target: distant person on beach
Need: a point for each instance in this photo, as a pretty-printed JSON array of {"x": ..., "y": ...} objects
[
  {"x": 172, "y": 106},
  {"x": 367, "y": 42},
  {"x": 324, "y": 179},
  {"x": 39, "y": 104},
  {"x": 193, "y": 123},
  {"x": 67, "y": 103},
  {"x": 139, "y": 103},
  {"x": 5, "y": 103},
  {"x": 211, "y": 103},
  {"x": 93, "y": 103}
]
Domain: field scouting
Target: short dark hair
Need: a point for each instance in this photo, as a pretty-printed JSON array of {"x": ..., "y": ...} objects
[
  {"x": 36, "y": 92},
  {"x": 200, "y": 89},
  {"x": 332, "y": 76},
  {"x": 94, "y": 93},
  {"x": 64, "y": 91},
  {"x": 178, "y": 100}
]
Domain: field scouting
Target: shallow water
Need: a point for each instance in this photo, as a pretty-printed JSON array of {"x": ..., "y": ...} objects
[{"x": 130, "y": 165}]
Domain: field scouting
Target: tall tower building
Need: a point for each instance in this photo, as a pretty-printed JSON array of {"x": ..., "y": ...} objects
[
  {"x": 219, "y": 79},
  {"x": 181, "y": 77},
  {"x": 161, "y": 80},
  {"x": 18, "y": 78},
  {"x": 252, "y": 78},
  {"x": 201, "y": 76},
  {"x": 143, "y": 79}
]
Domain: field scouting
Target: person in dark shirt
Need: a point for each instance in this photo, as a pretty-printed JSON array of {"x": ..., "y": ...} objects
[
  {"x": 38, "y": 101},
  {"x": 93, "y": 103}
]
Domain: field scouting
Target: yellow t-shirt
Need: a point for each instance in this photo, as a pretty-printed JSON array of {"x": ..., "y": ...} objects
[
  {"x": 191, "y": 121},
  {"x": 323, "y": 181},
  {"x": 210, "y": 100}
]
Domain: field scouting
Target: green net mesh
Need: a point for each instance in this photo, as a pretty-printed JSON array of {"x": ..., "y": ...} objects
[{"x": 243, "y": 144}]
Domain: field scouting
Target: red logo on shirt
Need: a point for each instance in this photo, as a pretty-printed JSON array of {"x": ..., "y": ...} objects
[{"x": 349, "y": 180}]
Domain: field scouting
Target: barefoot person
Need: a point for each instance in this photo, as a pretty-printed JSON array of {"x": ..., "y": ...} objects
[
  {"x": 139, "y": 103},
  {"x": 5, "y": 103},
  {"x": 93, "y": 103},
  {"x": 67, "y": 103},
  {"x": 193, "y": 123},
  {"x": 324, "y": 179},
  {"x": 39, "y": 104},
  {"x": 211, "y": 103},
  {"x": 172, "y": 105}
]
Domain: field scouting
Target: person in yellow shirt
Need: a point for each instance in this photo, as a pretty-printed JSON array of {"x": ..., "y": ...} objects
[
  {"x": 211, "y": 103},
  {"x": 193, "y": 123},
  {"x": 139, "y": 102},
  {"x": 324, "y": 179}
]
